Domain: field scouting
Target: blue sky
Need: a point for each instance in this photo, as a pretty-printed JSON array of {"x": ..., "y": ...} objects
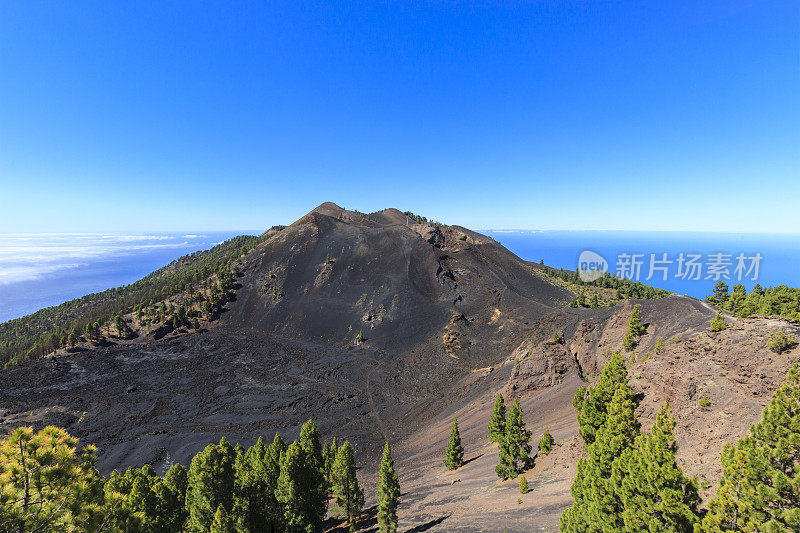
[{"x": 188, "y": 116}]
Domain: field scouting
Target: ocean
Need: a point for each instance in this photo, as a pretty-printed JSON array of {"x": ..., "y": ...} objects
[
  {"x": 41, "y": 270},
  {"x": 46, "y": 269},
  {"x": 767, "y": 259}
]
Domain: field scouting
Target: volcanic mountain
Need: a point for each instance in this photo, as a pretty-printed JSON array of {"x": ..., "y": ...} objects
[{"x": 383, "y": 327}]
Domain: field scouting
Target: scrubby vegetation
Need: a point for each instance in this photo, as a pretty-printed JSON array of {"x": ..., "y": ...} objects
[
  {"x": 602, "y": 292},
  {"x": 780, "y": 341},
  {"x": 718, "y": 322},
  {"x": 203, "y": 278},
  {"x": 780, "y": 300},
  {"x": 418, "y": 218},
  {"x": 48, "y": 484}
]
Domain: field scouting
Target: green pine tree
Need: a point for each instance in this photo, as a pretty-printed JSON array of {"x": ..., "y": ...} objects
[
  {"x": 297, "y": 491},
  {"x": 608, "y": 425},
  {"x": 143, "y": 499},
  {"x": 592, "y": 404},
  {"x": 515, "y": 447},
  {"x": 654, "y": 493},
  {"x": 760, "y": 486},
  {"x": 454, "y": 454},
  {"x": 596, "y": 503},
  {"x": 211, "y": 482},
  {"x": 256, "y": 481},
  {"x": 523, "y": 485},
  {"x": 349, "y": 497},
  {"x": 329, "y": 457},
  {"x": 326, "y": 461},
  {"x": 222, "y": 523},
  {"x": 135, "y": 501},
  {"x": 388, "y": 493},
  {"x": 171, "y": 496},
  {"x": 718, "y": 323},
  {"x": 581, "y": 299},
  {"x": 546, "y": 442},
  {"x": 635, "y": 329},
  {"x": 312, "y": 446},
  {"x": 497, "y": 421},
  {"x": 48, "y": 484}
]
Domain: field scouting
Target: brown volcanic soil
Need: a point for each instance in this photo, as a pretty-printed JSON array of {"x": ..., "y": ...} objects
[{"x": 449, "y": 319}]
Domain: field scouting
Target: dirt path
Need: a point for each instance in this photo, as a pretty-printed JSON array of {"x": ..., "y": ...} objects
[{"x": 381, "y": 425}]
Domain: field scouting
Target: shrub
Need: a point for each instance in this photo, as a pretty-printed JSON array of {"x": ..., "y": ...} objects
[
  {"x": 704, "y": 401},
  {"x": 780, "y": 341},
  {"x": 659, "y": 345},
  {"x": 523, "y": 485},
  {"x": 546, "y": 442},
  {"x": 718, "y": 323}
]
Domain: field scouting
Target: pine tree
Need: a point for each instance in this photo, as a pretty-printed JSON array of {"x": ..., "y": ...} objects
[
  {"x": 546, "y": 442},
  {"x": 171, "y": 496},
  {"x": 608, "y": 425},
  {"x": 454, "y": 454},
  {"x": 274, "y": 509},
  {"x": 143, "y": 500},
  {"x": 388, "y": 493},
  {"x": 497, "y": 421},
  {"x": 349, "y": 497},
  {"x": 312, "y": 446},
  {"x": 760, "y": 486},
  {"x": 523, "y": 485},
  {"x": 222, "y": 523},
  {"x": 718, "y": 323},
  {"x": 654, "y": 493},
  {"x": 47, "y": 484},
  {"x": 211, "y": 482},
  {"x": 256, "y": 481},
  {"x": 515, "y": 448},
  {"x": 328, "y": 457},
  {"x": 592, "y": 404},
  {"x": 134, "y": 500},
  {"x": 720, "y": 294},
  {"x": 596, "y": 503},
  {"x": 296, "y": 491},
  {"x": 326, "y": 464},
  {"x": 635, "y": 329}
]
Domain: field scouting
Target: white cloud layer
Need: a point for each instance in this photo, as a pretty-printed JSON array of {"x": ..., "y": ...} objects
[{"x": 25, "y": 257}]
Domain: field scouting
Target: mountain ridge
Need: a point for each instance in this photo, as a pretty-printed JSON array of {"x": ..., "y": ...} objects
[{"x": 384, "y": 328}]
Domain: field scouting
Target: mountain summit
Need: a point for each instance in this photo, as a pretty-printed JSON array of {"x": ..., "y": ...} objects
[{"x": 383, "y": 327}]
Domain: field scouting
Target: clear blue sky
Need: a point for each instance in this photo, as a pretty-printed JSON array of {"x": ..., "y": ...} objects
[{"x": 173, "y": 116}]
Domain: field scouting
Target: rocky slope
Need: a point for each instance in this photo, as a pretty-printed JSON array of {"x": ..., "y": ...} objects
[{"x": 383, "y": 329}]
